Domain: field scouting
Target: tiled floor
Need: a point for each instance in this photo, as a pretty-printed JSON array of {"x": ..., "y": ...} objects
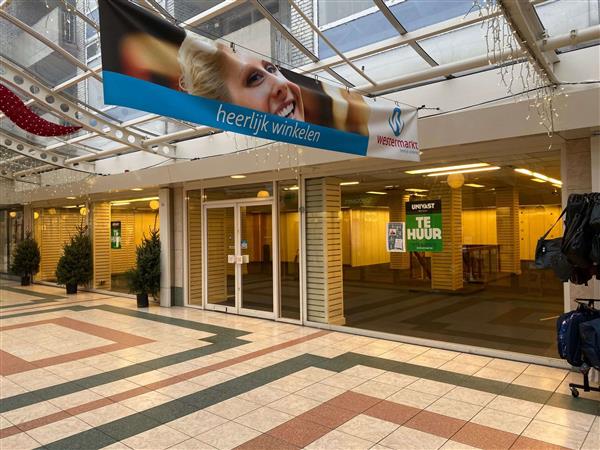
[{"x": 92, "y": 371}]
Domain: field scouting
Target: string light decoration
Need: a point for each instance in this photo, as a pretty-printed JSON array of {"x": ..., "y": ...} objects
[
  {"x": 26, "y": 119},
  {"x": 516, "y": 65}
]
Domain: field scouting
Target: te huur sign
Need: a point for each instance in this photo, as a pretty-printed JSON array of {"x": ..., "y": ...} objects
[{"x": 424, "y": 226}]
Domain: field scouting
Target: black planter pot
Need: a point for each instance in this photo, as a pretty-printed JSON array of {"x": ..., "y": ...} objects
[
  {"x": 25, "y": 280},
  {"x": 142, "y": 300},
  {"x": 71, "y": 288}
]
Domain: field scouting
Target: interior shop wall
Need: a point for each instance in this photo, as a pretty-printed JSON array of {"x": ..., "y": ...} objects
[
  {"x": 52, "y": 229},
  {"x": 134, "y": 224},
  {"x": 363, "y": 231}
]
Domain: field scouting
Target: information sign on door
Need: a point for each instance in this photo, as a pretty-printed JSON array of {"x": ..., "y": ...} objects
[{"x": 395, "y": 237}]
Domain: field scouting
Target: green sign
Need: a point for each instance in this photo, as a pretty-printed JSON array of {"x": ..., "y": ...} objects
[
  {"x": 424, "y": 226},
  {"x": 115, "y": 234}
]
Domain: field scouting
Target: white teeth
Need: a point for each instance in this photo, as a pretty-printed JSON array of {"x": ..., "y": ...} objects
[{"x": 286, "y": 111}]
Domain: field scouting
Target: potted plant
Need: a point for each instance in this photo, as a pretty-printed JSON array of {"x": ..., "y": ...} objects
[
  {"x": 145, "y": 278},
  {"x": 26, "y": 260},
  {"x": 75, "y": 265}
]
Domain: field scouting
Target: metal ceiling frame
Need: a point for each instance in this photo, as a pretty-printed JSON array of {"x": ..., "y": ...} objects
[
  {"x": 26, "y": 149},
  {"x": 522, "y": 18},
  {"x": 393, "y": 20},
  {"x": 27, "y": 85}
]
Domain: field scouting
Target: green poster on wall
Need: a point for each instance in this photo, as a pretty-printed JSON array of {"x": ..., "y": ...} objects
[
  {"x": 115, "y": 234},
  {"x": 424, "y": 226}
]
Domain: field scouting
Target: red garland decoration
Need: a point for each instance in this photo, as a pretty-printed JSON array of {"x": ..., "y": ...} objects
[{"x": 25, "y": 118}]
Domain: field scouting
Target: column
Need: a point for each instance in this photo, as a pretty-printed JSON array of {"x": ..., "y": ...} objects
[
  {"x": 324, "y": 284},
  {"x": 576, "y": 175},
  {"x": 166, "y": 243},
  {"x": 398, "y": 214},
  {"x": 446, "y": 266},
  {"x": 101, "y": 245},
  {"x": 177, "y": 249},
  {"x": 27, "y": 219},
  {"x": 507, "y": 229}
]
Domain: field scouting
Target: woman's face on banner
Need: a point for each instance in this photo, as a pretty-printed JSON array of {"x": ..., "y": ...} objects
[{"x": 258, "y": 84}]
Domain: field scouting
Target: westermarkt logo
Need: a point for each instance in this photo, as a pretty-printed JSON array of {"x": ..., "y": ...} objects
[{"x": 395, "y": 121}]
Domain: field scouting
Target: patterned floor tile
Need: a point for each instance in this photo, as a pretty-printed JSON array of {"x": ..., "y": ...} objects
[
  {"x": 410, "y": 439},
  {"x": 368, "y": 428},
  {"x": 338, "y": 440}
]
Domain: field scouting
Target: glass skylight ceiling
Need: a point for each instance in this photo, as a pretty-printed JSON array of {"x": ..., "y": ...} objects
[{"x": 446, "y": 31}]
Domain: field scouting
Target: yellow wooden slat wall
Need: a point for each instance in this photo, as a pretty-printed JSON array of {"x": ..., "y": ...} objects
[
  {"x": 195, "y": 247},
  {"x": 479, "y": 227},
  {"x": 52, "y": 232},
  {"x": 288, "y": 236},
  {"x": 218, "y": 229},
  {"x": 534, "y": 221},
  {"x": 368, "y": 236},
  {"x": 101, "y": 244},
  {"x": 134, "y": 225}
]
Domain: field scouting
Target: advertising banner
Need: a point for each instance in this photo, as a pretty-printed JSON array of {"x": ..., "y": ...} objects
[
  {"x": 395, "y": 237},
  {"x": 115, "y": 234},
  {"x": 424, "y": 226},
  {"x": 153, "y": 65}
]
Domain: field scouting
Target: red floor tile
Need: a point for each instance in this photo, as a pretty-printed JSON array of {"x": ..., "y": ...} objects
[
  {"x": 392, "y": 412},
  {"x": 353, "y": 401},
  {"x": 484, "y": 437},
  {"x": 328, "y": 416},
  {"x": 299, "y": 432},
  {"x": 430, "y": 422},
  {"x": 266, "y": 442}
]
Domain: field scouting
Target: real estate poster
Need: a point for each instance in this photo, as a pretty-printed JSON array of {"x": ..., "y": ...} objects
[
  {"x": 395, "y": 237},
  {"x": 424, "y": 226},
  {"x": 115, "y": 234}
]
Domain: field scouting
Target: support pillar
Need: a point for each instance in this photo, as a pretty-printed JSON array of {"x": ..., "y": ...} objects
[
  {"x": 324, "y": 284},
  {"x": 595, "y": 158},
  {"x": 27, "y": 219},
  {"x": 507, "y": 229},
  {"x": 166, "y": 244},
  {"x": 101, "y": 245},
  {"x": 447, "y": 265},
  {"x": 398, "y": 214}
]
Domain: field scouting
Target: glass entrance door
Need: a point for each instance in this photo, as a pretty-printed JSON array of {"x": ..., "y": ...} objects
[{"x": 239, "y": 267}]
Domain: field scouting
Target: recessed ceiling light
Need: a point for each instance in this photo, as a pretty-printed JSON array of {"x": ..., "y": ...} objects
[
  {"x": 539, "y": 176},
  {"x": 238, "y": 176},
  {"x": 71, "y": 198},
  {"x": 474, "y": 185},
  {"x": 537, "y": 180},
  {"x": 349, "y": 183},
  {"x": 447, "y": 168},
  {"x": 376, "y": 193},
  {"x": 452, "y": 172},
  {"x": 137, "y": 189},
  {"x": 70, "y": 206},
  {"x": 291, "y": 188},
  {"x": 557, "y": 185},
  {"x": 416, "y": 190}
]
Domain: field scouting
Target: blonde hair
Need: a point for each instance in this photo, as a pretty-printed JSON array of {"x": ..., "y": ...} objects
[{"x": 202, "y": 68}]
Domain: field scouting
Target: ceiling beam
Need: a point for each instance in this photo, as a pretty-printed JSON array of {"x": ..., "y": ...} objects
[
  {"x": 40, "y": 37},
  {"x": 72, "y": 112},
  {"x": 316, "y": 29},
  {"x": 393, "y": 20},
  {"x": 524, "y": 21},
  {"x": 31, "y": 151},
  {"x": 390, "y": 84},
  {"x": 398, "y": 41},
  {"x": 211, "y": 13}
]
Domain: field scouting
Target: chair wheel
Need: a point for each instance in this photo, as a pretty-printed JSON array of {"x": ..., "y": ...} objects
[{"x": 574, "y": 392}]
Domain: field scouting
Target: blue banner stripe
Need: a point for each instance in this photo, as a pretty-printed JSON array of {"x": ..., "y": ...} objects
[{"x": 132, "y": 92}]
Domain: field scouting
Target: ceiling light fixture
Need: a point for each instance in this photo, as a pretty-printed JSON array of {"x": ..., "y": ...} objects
[
  {"x": 71, "y": 198},
  {"x": 537, "y": 180},
  {"x": 128, "y": 201},
  {"x": 349, "y": 183},
  {"x": 376, "y": 193},
  {"x": 137, "y": 189},
  {"x": 237, "y": 177},
  {"x": 291, "y": 188},
  {"x": 416, "y": 190},
  {"x": 539, "y": 176},
  {"x": 447, "y": 168},
  {"x": 480, "y": 169},
  {"x": 474, "y": 185},
  {"x": 557, "y": 185}
]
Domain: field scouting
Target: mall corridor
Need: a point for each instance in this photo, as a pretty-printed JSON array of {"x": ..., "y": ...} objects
[{"x": 93, "y": 371}]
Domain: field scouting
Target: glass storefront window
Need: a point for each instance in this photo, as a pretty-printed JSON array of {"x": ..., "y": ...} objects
[
  {"x": 258, "y": 190},
  {"x": 479, "y": 287}
]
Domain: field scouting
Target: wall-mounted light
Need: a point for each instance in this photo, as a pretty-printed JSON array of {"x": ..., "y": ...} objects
[
  {"x": 36, "y": 215},
  {"x": 154, "y": 205},
  {"x": 83, "y": 211},
  {"x": 12, "y": 214}
]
